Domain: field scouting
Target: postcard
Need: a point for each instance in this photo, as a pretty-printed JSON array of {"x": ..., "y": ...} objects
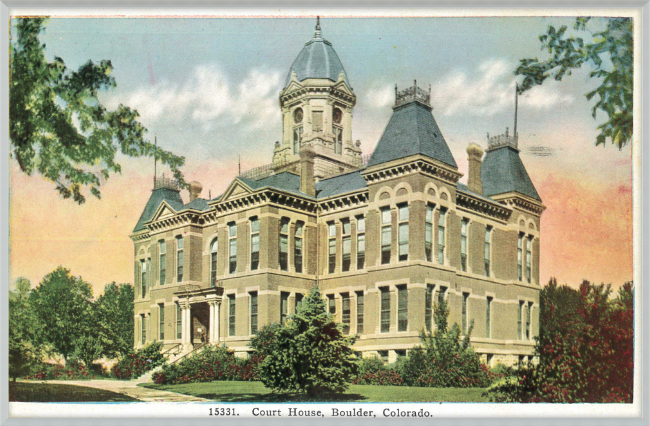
[{"x": 343, "y": 215}]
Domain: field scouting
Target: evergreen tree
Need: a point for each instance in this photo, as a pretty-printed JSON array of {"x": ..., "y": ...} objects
[{"x": 310, "y": 353}]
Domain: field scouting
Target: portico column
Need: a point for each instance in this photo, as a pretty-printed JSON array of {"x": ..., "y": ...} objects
[
  {"x": 188, "y": 326},
  {"x": 211, "y": 339},
  {"x": 217, "y": 322}
]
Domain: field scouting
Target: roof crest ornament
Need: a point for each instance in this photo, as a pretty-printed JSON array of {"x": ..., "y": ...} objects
[
  {"x": 502, "y": 140},
  {"x": 412, "y": 94},
  {"x": 317, "y": 34}
]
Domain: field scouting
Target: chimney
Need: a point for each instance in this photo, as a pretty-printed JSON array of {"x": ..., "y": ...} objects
[
  {"x": 307, "y": 155},
  {"x": 195, "y": 190},
  {"x": 474, "y": 155}
]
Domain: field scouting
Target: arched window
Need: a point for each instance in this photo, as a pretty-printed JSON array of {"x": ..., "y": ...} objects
[{"x": 213, "y": 263}]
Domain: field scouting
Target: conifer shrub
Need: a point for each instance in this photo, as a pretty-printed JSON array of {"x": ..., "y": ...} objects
[
  {"x": 445, "y": 359},
  {"x": 135, "y": 364},
  {"x": 310, "y": 353}
]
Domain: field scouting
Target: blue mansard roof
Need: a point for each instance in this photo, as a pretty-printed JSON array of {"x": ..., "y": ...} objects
[{"x": 412, "y": 130}]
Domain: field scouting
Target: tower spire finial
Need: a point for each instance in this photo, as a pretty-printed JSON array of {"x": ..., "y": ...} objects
[{"x": 317, "y": 34}]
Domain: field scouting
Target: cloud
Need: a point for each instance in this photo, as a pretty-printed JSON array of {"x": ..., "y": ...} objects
[
  {"x": 380, "y": 97},
  {"x": 209, "y": 98},
  {"x": 490, "y": 91}
]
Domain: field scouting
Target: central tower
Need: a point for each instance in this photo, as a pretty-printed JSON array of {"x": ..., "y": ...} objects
[{"x": 317, "y": 103}]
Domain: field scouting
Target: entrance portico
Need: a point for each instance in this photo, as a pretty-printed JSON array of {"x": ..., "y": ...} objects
[{"x": 200, "y": 308}]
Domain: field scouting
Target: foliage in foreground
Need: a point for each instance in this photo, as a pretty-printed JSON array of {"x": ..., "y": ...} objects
[
  {"x": 135, "y": 364},
  {"x": 587, "y": 358},
  {"x": 446, "y": 359},
  {"x": 310, "y": 353},
  {"x": 73, "y": 370},
  {"x": 211, "y": 363},
  {"x": 57, "y": 126},
  {"x": 610, "y": 52}
]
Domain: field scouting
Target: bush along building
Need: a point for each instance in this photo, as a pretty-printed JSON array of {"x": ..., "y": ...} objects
[{"x": 385, "y": 239}]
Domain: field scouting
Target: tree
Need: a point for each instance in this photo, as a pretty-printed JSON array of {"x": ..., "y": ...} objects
[
  {"x": 114, "y": 320},
  {"x": 310, "y": 353},
  {"x": 63, "y": 304},
  {"x": 611, "y": 54},
  {"x": 24, "y": 342},
  {"x": 587, "y": 358},
  {"x": 57, "y": 126}
]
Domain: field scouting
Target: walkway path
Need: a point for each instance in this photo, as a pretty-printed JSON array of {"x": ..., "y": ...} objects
[{"x": 130, "y": 388}]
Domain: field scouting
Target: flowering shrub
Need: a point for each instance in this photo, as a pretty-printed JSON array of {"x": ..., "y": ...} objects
[
  {"x": 587, "y": 357},
  {"x": 135, "y": 364},
  {"x": 212, "y": 363},
  {"x": 383, "y": 378},
  {"x": 73, "y": 370}
]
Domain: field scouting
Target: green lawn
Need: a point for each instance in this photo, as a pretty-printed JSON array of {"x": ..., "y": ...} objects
[
  {"x": 49, "y": 392},
  {"x": 256, "y": 392}
]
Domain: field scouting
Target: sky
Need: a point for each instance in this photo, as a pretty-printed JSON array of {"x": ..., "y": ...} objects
[{"x": 208, "y": 90}]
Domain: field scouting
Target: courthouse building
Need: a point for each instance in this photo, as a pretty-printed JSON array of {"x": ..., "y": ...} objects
[{"x": 384, "y": 237}]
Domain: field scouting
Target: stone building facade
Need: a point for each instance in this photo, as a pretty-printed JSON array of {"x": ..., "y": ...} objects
[{"x": 384, "y": 239}]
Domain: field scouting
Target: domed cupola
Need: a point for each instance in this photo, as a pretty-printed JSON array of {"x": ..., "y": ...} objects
[
  {"x": 317, "y": 60},
  {"x": 317, "y": 103}
]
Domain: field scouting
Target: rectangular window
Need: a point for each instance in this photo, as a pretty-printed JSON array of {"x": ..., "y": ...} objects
[
  {"x": 519, "y": 316},
  {"x": 383, "y": 355},
  {"x": 428, "y": 308},
  {"x": 179, "y": 322},
  {"x": 464, "y": 313},
  {"x": 403, "y": 232},
  {"x": 298, "y": 303},
  {"x": 253, "y": 295},
  {"x": 402, "y": 307},
  {"x": 520, "y": 243},
  {"x": 179, "y": 259},
  {"x": 213, "y": 263},
  {"x": 346, "y": 246},
  {"x": 255, "y": 243},
  {"x": 428, "y": 233},
  {"x": 143, "y": 278},
  {"x": 161, "y": 320},
  {"x": 338, "y": 135},
  {"x": 297, "y": 247},
  {"x": 361, "y": 242},
  {"x": 345, "y": 312},
  {"x": 231, "y": 315},
  {"x": 488, "y": 241},
  {"x": 232, "y": 248},
  {"x": 359, "y": 312},
  {"x": 528, "y": 309},
  {"x": 331, "y": 302},
  {"x": 463, "y": 245},
  {"x": 441, "y": 294},
  {"x": 284, "y": 307},
  {"x": 297, "y": 137},
  {"x": 332, "y": 247},
  {"x": 529, "y": 254},
  {"x": 385, "y": 309},
  {"x": 441, "y": 236},
  {"x": 143, "y": 331},
  {"x": 488, "y": 316},
  {"x": 162, "y": 270},
  {"x": 284, "y": 244},
  {"x": 385, "y": 235}
]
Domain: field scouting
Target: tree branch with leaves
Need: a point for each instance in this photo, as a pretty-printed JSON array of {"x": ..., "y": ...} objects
[
  {"x": 610, "y": 53},
  {"x": 57, "y": 126}
]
